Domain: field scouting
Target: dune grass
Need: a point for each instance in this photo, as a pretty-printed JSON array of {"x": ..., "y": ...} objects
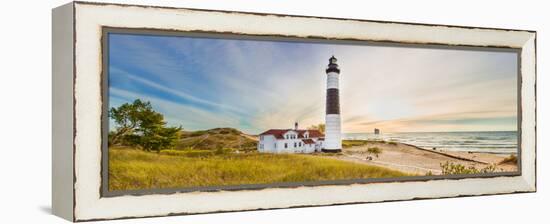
[
  {"x": 352, "y": 143},
  {"x": 131, "y": 169},
  {"x": 216, "y": 138},
  {"x": 512, "y": 159},
  {"x": 374, "y": 150}
]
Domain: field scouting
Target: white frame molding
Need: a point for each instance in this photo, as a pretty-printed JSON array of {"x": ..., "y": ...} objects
[{"x": 83, "y": 140}]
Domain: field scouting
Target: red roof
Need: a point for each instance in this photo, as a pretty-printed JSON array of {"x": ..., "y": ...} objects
[
  {"x": 308, "y": 141},
  {"x": 278, "y": 133}
]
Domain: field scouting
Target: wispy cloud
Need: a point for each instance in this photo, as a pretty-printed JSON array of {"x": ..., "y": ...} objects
[
  {"x": 179, "y": 93},
  {"x": 257, "y": 85},
  {"x": 177, "y": 114}
]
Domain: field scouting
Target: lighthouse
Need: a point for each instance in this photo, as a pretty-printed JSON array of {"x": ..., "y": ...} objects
[{"x": 333, "y": 121}]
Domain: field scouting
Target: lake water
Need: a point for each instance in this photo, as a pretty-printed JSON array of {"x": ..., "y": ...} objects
[{"x": 491, "y": 142}]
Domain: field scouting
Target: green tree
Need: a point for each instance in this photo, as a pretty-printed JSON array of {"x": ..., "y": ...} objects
[
  {"x": 319, "y": 127},
  {"x": 139, "y": 125}
]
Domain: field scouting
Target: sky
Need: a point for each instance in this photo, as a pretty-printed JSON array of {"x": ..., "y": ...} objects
[{"x": 251, "y": 85}]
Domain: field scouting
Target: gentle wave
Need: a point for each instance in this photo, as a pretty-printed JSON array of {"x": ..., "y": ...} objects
[{"x": 491, "y": 142}]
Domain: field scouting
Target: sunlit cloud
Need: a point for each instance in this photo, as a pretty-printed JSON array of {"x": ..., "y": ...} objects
[{"x": 258, "y": 85}]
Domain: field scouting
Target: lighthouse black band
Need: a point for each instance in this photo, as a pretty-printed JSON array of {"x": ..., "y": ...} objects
[
  {"x": 333, "y": 69},
  {"x": 333, "y": 101}
]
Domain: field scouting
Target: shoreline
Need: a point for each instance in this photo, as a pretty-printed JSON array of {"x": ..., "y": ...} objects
[
  {"x": 420, "y": 161},
  {"x": 447, "y": 153}
]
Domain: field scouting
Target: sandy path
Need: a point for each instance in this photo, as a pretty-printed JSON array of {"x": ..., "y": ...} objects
[{"x": 414, "y": 160}]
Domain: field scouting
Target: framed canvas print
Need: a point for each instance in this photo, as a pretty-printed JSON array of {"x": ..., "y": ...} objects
[{"x": 168, "y": 111}]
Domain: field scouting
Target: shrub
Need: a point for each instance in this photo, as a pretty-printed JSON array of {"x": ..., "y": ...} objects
[
  {"x": 374, "y": 150},
  {"x": 449, "y": 168},
  {"x": 351, "y": 143},
  {"x": 512, "y": 159}
]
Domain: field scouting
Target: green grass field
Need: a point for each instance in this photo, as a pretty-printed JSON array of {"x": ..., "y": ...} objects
[{"x": 131, "y": 169}]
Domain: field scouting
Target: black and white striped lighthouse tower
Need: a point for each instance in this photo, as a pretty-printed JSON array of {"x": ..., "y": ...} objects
[{"x": 333, "y": 122}]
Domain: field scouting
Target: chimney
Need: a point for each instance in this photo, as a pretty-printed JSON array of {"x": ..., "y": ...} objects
[{"x": 295, "y": 125}]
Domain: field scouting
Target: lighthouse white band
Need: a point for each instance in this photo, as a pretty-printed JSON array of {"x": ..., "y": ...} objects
[
  {"x": 333, "y": 138},
  {"x": 332, "y": 80}
]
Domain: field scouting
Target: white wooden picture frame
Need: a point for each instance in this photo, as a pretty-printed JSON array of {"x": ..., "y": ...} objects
[{"x": 77, "y": 110}]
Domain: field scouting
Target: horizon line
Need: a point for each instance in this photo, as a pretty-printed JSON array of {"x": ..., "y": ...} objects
[{"x": 361, "y": 132}]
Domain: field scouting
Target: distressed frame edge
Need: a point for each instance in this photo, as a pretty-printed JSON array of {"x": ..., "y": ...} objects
[
  {"x": 299, "y": 16},
  {"x": 529, "y": 73},
  {"x": 62, "y": 76},
  {"x": 300, "y": 206},
  {"x": 527, "y": 181}
]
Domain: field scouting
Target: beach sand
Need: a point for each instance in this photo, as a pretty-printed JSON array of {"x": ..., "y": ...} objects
[{"x": 415, "y": 160}]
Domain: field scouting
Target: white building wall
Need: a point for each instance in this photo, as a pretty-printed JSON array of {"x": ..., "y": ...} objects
[
  {"x": 310, "y": 148},
  {"x": 281, "y": 145},
  {"x": 290, "y": 143},
  {"x": 319, "y": 145},
  {"x": 267, "y": 144},
  {"x": 270, "y": 144},
  {"x": 291, "y": 137}
]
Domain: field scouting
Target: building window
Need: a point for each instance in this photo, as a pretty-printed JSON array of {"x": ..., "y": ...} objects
[
  {"x": 300, "y": 144},
  {"x": 286, "y": 145},
  {"x": 295, "y": 145},
  {"x": 261, "y": 146}
]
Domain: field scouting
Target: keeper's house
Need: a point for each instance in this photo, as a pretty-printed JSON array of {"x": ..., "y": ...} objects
[{"x": 291, "y": 141}]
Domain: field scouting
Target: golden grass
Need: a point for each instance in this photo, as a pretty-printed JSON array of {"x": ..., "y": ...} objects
[
  {"x": 131, "y": 169},
  {"x": 351, "y": 143}
]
